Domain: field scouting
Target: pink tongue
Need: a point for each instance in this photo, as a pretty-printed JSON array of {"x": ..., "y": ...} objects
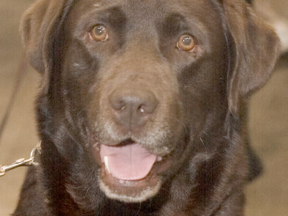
[{"x": 130, "y": 162}]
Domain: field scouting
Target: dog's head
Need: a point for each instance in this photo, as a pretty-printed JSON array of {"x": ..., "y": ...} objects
[{"x": 131, "y": 88}]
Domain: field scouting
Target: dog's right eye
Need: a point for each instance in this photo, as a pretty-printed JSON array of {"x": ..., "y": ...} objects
[
  {"x": 186, "y": 43},
  {"x": 99, "y": 33}
]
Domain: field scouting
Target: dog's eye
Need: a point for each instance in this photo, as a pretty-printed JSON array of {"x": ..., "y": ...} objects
[
  {"x": 186, "y": 43},
  {"x": 99, "y": 33}
]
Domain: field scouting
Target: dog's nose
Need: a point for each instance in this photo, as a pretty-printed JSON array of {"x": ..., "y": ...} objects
[{"x": 132, "y": 108}]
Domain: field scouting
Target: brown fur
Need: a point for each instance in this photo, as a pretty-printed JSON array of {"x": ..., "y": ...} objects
[{"x": 194, "y": 113}]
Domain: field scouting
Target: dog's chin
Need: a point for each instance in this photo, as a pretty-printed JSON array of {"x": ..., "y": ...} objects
[
  {"x": 129, "y": 191},
  {"x": 135, "y": 180}
]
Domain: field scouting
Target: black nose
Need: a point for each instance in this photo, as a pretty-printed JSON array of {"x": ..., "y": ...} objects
[{"x": 132, "y": 108}]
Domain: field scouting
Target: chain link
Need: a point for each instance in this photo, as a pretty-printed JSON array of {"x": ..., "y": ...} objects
[{"x": 22, "y": 161}]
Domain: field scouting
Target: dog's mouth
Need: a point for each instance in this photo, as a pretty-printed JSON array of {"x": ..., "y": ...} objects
[
  {"x": 129, "y": 172},
  {"x": 128, "y": 162}
]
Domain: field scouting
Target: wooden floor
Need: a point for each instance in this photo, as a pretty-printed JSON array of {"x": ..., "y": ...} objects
[{"x": 268, "y": 196}]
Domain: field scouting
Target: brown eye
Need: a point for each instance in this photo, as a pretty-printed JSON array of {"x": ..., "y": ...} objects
[
  {"x": 186, "y": 43},
  {"x": 99, "y": 33}
]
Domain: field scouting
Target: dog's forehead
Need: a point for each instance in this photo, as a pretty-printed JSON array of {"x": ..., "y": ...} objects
[{"x": 145, "y": 11}]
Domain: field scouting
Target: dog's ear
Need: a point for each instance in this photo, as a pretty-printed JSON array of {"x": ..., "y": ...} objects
[
  {"x": 37, "y": 29},
  {"x": 255, "y": 50}
]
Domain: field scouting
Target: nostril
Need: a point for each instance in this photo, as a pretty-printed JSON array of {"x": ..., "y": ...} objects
[
  {"x": 142, "y": 109},
  {"x": 118, "y": 105},
  {"x": 148, "y": 108}
]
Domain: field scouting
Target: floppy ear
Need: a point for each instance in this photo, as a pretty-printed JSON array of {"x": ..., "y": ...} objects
[
  {"x": 37, "y": 27},
  {"x": 256, "y": 49}
]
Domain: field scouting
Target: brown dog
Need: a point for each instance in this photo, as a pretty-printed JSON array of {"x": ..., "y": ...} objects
[{"x": 141, "y": 105}]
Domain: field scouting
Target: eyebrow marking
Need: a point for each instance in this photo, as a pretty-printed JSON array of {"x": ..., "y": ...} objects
[{"x": 174, "y": 24}]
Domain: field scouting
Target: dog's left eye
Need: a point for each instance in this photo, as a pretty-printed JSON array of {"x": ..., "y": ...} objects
[
  {"x": 99, "y": 33},
  {"x": 186, "y": 43}
]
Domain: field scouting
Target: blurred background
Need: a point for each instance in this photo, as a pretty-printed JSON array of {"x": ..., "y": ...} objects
[{"x": 268, "y": 123}]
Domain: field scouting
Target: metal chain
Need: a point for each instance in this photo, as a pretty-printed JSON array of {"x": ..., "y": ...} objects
[{"x": 22, "y": 161}]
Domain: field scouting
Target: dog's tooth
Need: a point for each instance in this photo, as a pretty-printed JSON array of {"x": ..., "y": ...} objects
[
  {"x": 106, "y": 161},
  {"x": 159, "y": 158},
  {"x": 96, "y": 146}
]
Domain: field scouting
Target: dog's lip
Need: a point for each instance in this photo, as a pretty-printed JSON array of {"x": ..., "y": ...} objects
[
  {"x": 133, "y": 188},
  {"x": 128, "y": 162},
  {"x": 136, "y": 161},
  {"x": 129, "y": 191}
]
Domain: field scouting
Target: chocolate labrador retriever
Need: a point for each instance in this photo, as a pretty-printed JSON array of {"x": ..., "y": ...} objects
[{"x": 141, "y": 109}]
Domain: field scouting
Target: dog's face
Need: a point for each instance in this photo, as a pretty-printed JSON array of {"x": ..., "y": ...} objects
[
  {"x": 141, "y": 87},
  {"x": 149, "y": 76}
]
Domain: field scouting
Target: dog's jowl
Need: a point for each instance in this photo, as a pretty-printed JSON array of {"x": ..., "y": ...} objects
[{"x": 141, "y": 110}]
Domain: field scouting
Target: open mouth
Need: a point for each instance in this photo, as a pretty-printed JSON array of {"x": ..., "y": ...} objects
[{"x": 129, "y": 172}]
